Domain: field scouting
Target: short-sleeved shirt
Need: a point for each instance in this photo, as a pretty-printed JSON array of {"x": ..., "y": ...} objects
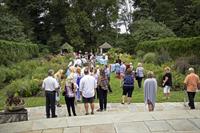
[
  {"x": 191, "y": 82},
  {"x": 87, "y": 86},
  {"x": 169, "y": 81},
  {"x": 50, "y": 84}
]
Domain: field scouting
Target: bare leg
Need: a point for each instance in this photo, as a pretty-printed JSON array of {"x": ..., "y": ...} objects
[
  {"x": 129, "y": 100},
  {"x": 123, "y": 99},
  {"x": 92, "y": 108},
  {"x": 86, "y": 107}
]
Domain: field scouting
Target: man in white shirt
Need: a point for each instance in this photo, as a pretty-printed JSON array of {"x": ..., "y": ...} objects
[
  {"x": 87, "y": 89},
  {"x": 50, "y": 85}
]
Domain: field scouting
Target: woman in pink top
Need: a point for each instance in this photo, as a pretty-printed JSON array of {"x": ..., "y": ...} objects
[{"x": 70, "y": 91}]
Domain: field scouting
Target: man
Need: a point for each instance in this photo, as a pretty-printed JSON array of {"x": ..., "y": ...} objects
[
  {"x": 87, "y": 89},
  {"x": 191, "y": 82},
  {"x": 50, "y": 85}
]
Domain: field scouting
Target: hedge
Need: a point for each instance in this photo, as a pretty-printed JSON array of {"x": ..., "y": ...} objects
[
  {"x": 175, "y": 46},
  {"x": 13, "y": 51}
]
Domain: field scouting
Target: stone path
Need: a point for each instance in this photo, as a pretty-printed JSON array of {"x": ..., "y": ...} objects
[
  {"x": 168, "y": 118},
  {"x": 39, "y": 112}
]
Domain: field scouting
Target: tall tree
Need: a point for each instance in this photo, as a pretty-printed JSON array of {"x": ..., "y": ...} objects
[{"x": 11, "y": 28}]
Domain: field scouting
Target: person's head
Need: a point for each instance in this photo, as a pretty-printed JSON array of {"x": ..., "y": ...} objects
[
  {"x": 50, "y": 72},
  {"x": 86, "y": 71},
  {"x": 78, "y": 70},
  {"x": 91, "y": 70},
  {"x": 167, "y": 69},
  {"x": 191, "y": 70},
  {"x": 150, "y": 74},
  {"x": 139, "y": 64},
  {"x": 72, "y": 69},
  {"x": 128, "y": 71}
]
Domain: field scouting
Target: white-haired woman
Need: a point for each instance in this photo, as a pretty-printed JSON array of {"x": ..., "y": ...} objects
[{"x": 150, "y": 88}]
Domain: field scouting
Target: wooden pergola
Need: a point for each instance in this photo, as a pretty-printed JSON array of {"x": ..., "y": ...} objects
[{"x": 104, "y": 46}]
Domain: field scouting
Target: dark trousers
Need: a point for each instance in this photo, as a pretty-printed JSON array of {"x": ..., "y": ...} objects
[
  {"x": 109, "y": 88},
  {"x": 103, "y": 99},
  {"x": 70, "y": 104},
  {"x": 139, "y": 80},
  {"x": 50, "y": 103},
  {"x": 191, "y": 96}
]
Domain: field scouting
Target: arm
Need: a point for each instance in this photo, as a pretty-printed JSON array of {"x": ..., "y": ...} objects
[
  {"x": 43, "y": 85},
  {"x": 165, "y": 80}
]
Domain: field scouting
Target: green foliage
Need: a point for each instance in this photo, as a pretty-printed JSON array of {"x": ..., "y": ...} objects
[
  {"x": 140, "y": 54},
  {"x": 181, "y": 16},
  {"x": 143, "y": 30},
  {"x": 150, "y": 58},
  {"x": 11, "y": 28},
  {"x": 14, "y": 52},
  {"x": 26, "y": 77},
  {"x": 113, "y": 53},
  {"x": 175, "y": 46},
  {"x": 55, "y": 42},
  {"x": 177, "y": 77}
]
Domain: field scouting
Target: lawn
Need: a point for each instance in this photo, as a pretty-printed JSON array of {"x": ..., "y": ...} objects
[{"x": 115, "y": 96}]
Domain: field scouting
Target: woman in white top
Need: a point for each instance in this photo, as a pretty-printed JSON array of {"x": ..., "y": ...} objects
[{"x": 139, "y": 74}]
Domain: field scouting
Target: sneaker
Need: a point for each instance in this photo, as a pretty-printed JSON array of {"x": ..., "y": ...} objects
[
  {"x": 86, "y": 113},
  {"x": 59, "y": 105},
  {"x": 122, "y": 102},
  {"x": 92, "y": 113},
  {"x": 99, "y": 110},
  {"x": 54, "y": 116}
]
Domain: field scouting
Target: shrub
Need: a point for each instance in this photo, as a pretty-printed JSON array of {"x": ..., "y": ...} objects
[
  {"x": 163, "y": 56},
  {"x": 150, "y": 58},
  {"x": 144, "y": 29},
  {"x": 15, "y": 52},
  {"x": 175, "y": 46},
  {"x": 140, "y": 53},
  {"x": 177, "y": 78},
  {"x": 182, "y": 64}
]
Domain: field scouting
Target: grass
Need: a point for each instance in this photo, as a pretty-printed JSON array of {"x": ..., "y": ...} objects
[{"x": 114, "y": 97}]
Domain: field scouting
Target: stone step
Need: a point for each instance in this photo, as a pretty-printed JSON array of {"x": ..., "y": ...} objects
[
  {"x": 117, "y": 119},
  {"x": 39, "y": 112}
]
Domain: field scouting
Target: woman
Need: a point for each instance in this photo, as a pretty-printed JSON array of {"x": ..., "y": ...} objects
[
  {"x": 103, "y": 90},
  {"x": 139, "y": 74},
  {"x": 150, "y": 88},
  {"x": 128, "y": 85},
  {"x": 69, "y": 93},
  {"x": 78, "y": 74},
  {"x": 167, "y": 82}
]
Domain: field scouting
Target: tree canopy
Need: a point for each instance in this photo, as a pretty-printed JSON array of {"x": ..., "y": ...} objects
[{"x": 85, "y": 24}]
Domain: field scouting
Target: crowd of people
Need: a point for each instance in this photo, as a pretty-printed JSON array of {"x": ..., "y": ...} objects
[{"x": 85, "y": 81}]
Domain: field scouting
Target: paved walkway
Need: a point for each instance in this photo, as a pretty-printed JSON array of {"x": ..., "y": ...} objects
[
  {"x": 168, "y": 118},
  {"x": 39, "y": 112}
]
